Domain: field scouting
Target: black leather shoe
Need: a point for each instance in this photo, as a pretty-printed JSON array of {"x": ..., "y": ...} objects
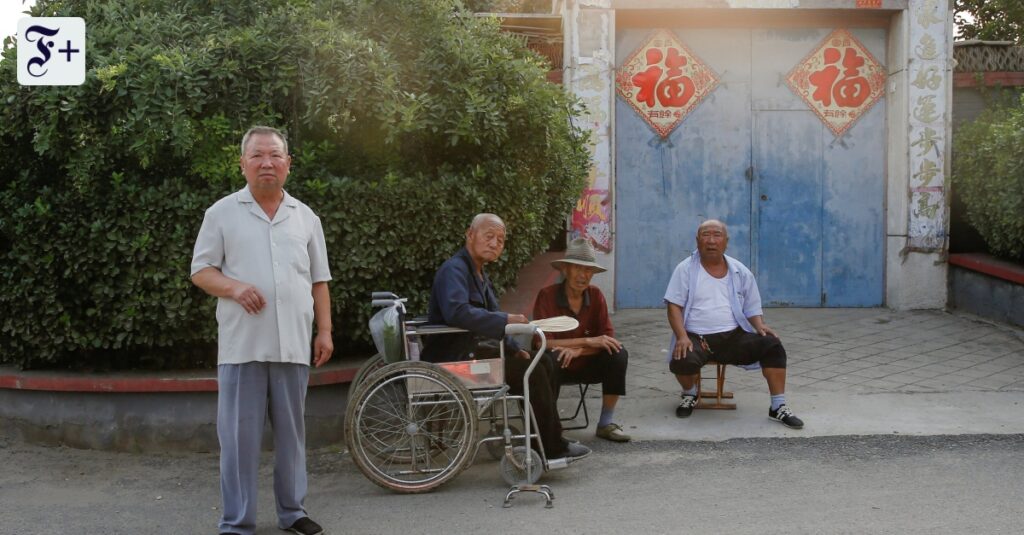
[
  {"x": 576, "y": 451},
  {"x": 306, "y": 526}
]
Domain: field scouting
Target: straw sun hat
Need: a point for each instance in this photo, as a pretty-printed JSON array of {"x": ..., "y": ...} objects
[{"x": 581, "y": 253}]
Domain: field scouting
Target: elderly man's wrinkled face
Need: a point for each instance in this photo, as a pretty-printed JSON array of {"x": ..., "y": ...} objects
[
  {"x": 265, "y": 163},
  {"x": 486, "y": 242},
  {"x": 712, "y": 241},
  {"x": 577, "y": 276}
]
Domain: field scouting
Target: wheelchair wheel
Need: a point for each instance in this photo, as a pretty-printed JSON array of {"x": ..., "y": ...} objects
[
  {"x": 411, "y": 427},
  {"x": 513, "y": 470},
  {"x": 372, "y": 364}
]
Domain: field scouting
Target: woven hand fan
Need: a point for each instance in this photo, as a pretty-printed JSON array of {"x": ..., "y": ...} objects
[{"x": 557, "y": 324}]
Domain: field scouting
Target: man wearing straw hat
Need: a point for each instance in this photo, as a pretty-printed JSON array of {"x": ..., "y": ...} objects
[{"x": 590, "y": 353}]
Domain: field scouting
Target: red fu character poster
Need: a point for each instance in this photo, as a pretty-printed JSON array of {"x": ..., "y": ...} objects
[
  {"x": 840, "y": 80},
  {"x": 664, "y": 81}
]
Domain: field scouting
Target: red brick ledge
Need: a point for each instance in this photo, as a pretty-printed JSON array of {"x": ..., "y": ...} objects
[
  {"x": 186, "y": 381},
  {"x": 989, "y": 265},
  {"x": 988, "y": 79}
]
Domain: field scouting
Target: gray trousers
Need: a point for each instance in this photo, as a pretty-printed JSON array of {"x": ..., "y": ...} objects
[{"x": 248, "y": 393}]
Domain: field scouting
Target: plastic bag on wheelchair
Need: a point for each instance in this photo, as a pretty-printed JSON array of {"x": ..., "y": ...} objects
[{"x": 386, "y": 329}]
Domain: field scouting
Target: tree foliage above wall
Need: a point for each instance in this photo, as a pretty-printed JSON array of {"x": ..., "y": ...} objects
[
  {"x": 990, "y": 20},
  {"x": 404, "y": 119}
]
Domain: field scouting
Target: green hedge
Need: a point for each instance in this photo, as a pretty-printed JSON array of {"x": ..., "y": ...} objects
[
  {"x": 404, "y": 119},
  {"x": 988, "y": 174}
]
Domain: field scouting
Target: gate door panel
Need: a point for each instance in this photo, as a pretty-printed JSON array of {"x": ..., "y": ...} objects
[
  {"x": 665, "y": 187},
  {"x": 787, "y": 163},
  {"x": 805, "y": 208}
]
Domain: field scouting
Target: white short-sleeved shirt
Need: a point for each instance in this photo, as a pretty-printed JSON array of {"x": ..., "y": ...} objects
[
  {"x": 744, "y": 297},
  {"x": 282, "y": 258}
]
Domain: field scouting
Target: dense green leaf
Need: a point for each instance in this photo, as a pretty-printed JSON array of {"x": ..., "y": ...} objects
[
  {"x": 404, "y": 119},
  {"x": 990, "y": 20},
  {"x": 988, "y": 174}
]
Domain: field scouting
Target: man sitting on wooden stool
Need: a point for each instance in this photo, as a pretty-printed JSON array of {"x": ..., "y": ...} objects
[
  {"x": 714, "y": 309},
  {"x": 590, "y": 353}
]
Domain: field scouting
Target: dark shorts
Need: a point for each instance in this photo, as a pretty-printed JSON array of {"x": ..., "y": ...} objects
[{"x": 732, "y": 347}]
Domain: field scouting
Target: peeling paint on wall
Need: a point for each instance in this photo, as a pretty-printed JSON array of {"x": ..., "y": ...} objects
[{"x": 592, "y": 218}]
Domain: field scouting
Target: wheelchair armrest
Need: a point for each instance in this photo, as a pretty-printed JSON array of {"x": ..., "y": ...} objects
[
  {"x": 515, "y": 329},
  {"x": 418, "y": 320},
  {"x": 427, "y": 330}
]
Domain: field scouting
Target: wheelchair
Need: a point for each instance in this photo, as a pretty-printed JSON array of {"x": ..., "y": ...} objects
[{"x": 412, "y": 426}]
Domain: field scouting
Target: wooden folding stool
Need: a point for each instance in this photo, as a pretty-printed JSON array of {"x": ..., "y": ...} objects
[{"x": 712, "y": 399}]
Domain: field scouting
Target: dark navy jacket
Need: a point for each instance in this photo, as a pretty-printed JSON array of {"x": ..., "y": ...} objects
[{"x": 459, "y": 299}]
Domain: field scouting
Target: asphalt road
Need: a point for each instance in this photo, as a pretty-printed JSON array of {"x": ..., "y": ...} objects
[{"x": 877, "y": 484}]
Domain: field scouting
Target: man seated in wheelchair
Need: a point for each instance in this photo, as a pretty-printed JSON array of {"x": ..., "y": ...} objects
[{"x": 462, "y": 296}]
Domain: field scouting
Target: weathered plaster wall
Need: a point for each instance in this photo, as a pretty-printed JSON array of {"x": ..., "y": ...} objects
[
  {"x": 589, "y": 71},
  {"x": 920, "y": 90}
]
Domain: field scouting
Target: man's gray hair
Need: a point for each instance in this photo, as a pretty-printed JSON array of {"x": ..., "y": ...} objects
[
  {"x": 713, "y": 223},
  {"x": 264, "y": 130},
  {"x": 480, "y": 219}
]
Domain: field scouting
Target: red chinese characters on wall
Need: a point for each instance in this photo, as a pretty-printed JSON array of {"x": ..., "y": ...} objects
[
  {"x": 840, "y": 80},
  {"x": 664, "y": 81}
]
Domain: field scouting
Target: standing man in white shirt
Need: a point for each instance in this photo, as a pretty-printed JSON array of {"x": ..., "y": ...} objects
[
  {"x": 714, "y": 309},
  {"x": 262, "y": 253}
]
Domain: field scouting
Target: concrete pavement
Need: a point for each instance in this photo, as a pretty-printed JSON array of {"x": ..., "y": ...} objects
[
  {"x": 861, "y": 371},
  {"x": 851, "y": 372}
]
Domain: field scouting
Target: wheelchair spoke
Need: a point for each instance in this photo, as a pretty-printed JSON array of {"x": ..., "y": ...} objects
[{"x": 412, "y": 427}]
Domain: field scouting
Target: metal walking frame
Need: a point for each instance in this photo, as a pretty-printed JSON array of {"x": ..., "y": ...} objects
[{"x": 412, "y": 426}]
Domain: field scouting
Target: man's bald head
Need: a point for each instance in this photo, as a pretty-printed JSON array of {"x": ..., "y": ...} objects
[
  {"x": 710, "y": 224},
  {"x": 480, "y": 220},
  {"x": 485, "y": 239}
]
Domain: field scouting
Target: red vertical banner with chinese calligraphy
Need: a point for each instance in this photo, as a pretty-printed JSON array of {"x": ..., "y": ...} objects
[
  {"x": 663, "y": 81},
  {"x": 839, "y": 80}
]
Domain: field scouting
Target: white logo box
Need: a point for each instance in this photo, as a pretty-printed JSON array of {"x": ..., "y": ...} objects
[{"x": 51, "y": 51}]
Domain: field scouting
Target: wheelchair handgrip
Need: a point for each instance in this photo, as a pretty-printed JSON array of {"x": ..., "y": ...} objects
[
  {"x": 382, "y": 302},
  {"x": 383, "y": 295},
  {"x": 514, "y": 329}
]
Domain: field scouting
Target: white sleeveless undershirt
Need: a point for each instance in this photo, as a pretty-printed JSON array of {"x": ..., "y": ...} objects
[{"x": 709, "y": 311}]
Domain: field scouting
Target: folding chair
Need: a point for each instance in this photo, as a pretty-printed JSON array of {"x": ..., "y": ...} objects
[{"x": 581, "y": 406}]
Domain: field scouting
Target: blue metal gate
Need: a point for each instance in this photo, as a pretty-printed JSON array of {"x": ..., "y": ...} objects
[{"x": 805, "y": 209}]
